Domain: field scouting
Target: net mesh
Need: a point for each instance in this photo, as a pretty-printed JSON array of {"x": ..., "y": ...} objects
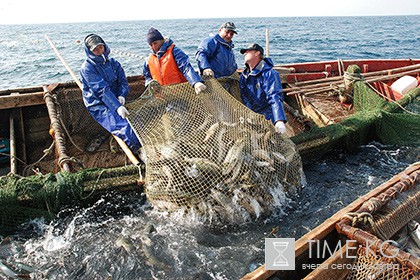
[
  {"x": 374, "y": 119},
  {"x": 87, "y": 143},
  {"x": 211, "y": 154},
  {"x": 25, "y": 198},
  {"x": 388, "y": 213},
  {"x": 375, "y": 266}
]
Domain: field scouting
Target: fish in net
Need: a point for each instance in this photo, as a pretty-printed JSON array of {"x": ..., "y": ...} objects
[{"x": 210, "y": 154}]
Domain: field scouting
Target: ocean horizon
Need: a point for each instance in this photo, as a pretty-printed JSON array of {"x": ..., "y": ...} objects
[{"x": 28, "y": 59}]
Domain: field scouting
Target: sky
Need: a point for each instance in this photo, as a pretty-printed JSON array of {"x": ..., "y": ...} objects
[{"x": 56, "y": 11}]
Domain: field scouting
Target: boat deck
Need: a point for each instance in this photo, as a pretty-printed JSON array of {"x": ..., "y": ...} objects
[
  {"x": 323, "y": 108},
  {"x": 327, "y": 109}
]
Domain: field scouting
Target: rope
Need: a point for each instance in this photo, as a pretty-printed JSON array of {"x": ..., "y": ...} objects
[
  {"x": 127, "y": 54},
  {"x": 367, "y": 219},
  {"x": 353, "y": 77},
  {"x": 59, "y": 111},
  {"x": 391, "y": 100},
  {"x": 15, "y": 157},
  {"x": 94, "y": 186},
  {"x": 63, "y": 160},
  {"x": 47, "y": 152}
]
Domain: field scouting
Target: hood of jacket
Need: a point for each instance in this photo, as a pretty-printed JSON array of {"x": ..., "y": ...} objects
[{"x": 98, "y": 58}]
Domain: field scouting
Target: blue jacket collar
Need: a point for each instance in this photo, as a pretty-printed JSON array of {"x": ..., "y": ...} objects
[
  {"x": 265, "y": 64},
  {"x": 222, "y": 41},
  {"x": 166, "y": 44}
]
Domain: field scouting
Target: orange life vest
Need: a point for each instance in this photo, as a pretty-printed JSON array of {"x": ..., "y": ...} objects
[{"x": 165, "y": 70}]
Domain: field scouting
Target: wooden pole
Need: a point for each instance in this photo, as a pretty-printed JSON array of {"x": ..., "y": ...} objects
[
  {"x": 122, "y": 144},
  {"x": 21, "y": 131},
  {"x": 392, "y": 76},
  {"x": 65, "y": 63},
  {"x": 13, "y": 159},
  {"x": 381, "y": 73},
  {"x": 267, "y": 43},
  {"x": 313, "y": 86}
]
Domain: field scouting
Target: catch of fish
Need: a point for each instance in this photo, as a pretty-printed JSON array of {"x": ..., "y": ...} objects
[{"x": 210, "y": 155}]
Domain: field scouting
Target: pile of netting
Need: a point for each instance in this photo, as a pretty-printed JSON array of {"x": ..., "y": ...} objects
[
  {"x": 375, "y": 119},
  {"x": 26, "y": 198},
  {"x": 387, "y": 229},
  {"x": 79, "y": 140},
  {"x": 211, "y": 155}
]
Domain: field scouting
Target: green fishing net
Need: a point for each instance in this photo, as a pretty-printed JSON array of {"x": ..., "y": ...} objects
[
  {"x": 25, "y": 198},
  {"x": 394, "y": 123}
]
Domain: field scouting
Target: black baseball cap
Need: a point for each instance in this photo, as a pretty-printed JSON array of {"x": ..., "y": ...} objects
[
  {"x": 92, "y": 41},
  {"x": 253, "y": 47}
]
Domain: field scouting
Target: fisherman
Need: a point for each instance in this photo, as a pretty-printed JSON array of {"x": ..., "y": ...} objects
[
  {"x": 215, "y": 55},
  {"x": 261, "y": 89},
  {"x": 168, "y": 64},
  {"x": 105, "y": 88}
]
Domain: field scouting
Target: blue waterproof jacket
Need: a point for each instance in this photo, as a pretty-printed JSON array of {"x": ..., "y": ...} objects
[
  {"x": 216, "y": 54},
  {"x": 261, "y": 91},
  {"x": 103, "y": 81},
  {"x": 182, "y": 60}
]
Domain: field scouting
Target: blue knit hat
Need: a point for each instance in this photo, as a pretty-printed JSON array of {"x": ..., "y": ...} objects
[{"x": 153, "y": 35}]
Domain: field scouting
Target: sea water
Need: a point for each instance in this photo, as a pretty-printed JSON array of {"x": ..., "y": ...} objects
[
  {"x": 27, "y": 59},
  {"x": 121, "y": 236}
]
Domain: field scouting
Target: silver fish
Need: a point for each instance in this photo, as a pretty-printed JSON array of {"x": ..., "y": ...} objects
[
  {"x": 211, "y": 131},
  {"x": 125, "y": 243},
  {"x": 235, "y": 171},
  {"x": 204, "y": 164},
  {"x": 234, "y": 151},
  {"x": 7, "y": 271}
]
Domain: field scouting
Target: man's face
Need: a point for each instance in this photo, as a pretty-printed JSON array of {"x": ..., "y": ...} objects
[
  {"x": 226, "y": 35},
  {"x": 98, "y": 50},
  {"x": 251, "y": 55},
  {"x": 155, "y": 46}
]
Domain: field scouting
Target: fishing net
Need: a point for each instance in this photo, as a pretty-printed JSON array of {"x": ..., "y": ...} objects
[
  {"x": 210, "y": 154},
  {"x": 88, "y": 148},
  {"x": 375, "y": 266},
  {"x": 25, "y": 198},
  {"x": 378, "y": 220},
  {"x": 84, "y": 137},
  {"x": 374, "y": 119}
]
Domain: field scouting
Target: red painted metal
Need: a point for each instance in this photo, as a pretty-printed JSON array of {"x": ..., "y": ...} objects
[
  {"x": 301, "y": 77},
  {"x": 386, "y": 91},
  {"x": 370, "y": 65}
]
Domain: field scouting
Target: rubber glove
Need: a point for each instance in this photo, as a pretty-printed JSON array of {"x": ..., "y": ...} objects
[
  {"x": 199, "y": 87},
  {"x": 208, "y": 73},
  {"x": 123, "y": 112},
  {"x": 121, "y": 99},
  {"x": 280, "y": 127}
]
